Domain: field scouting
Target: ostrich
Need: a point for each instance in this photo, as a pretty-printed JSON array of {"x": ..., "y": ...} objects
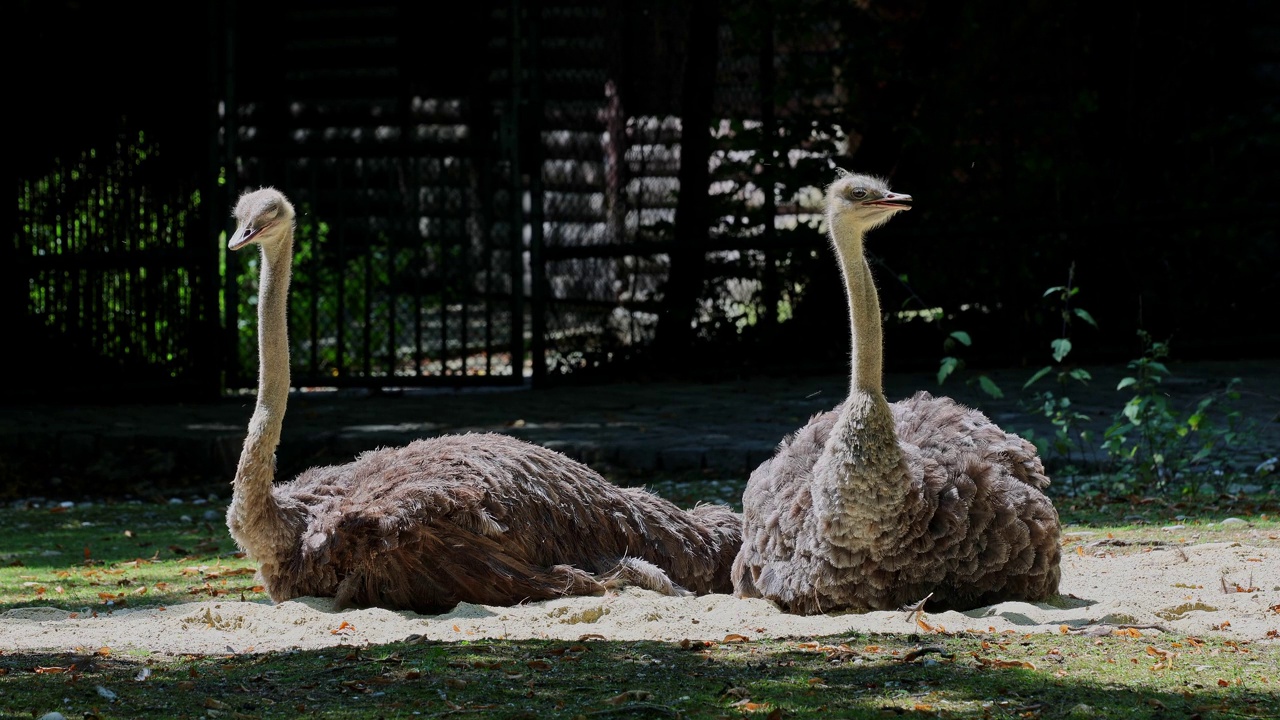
[
  {"x": 476, "y": 517},
  {"x": 873, "y": 506}
]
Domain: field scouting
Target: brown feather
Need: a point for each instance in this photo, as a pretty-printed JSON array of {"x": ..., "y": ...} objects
[
  {"x": 873, "y": 506},
  {"x": 482, "y": 518}
]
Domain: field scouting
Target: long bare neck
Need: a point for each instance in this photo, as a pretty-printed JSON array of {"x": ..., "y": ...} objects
[
  {"x": 256, "y": 519},
  {"x": 858, "y": 490},
  {"x": 273, "y": 341},
  {"x": 867, "y": 373}
]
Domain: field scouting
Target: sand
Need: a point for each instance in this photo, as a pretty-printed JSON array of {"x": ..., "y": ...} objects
[{"x": 1228, "y": 590}]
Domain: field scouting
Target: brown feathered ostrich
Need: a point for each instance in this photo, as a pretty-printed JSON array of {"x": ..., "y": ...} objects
[
  {"x": 482, "y": 518},
  {"x": 873, "y": 506}
]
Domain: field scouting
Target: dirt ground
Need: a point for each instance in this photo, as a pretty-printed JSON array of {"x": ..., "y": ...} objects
[{"x": 1227, "y": 589}]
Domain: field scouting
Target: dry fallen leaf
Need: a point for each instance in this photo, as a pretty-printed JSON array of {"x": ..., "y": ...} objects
[
  {"x": 736, "y": 638},
  {"x": 628, "y": 695}
]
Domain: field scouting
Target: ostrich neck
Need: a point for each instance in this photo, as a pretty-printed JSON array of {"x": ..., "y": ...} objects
[
  {"x": 864, "y": 311},
  {"x": 273, "y": 340},
  {"x": 256, "y": 518},
  {"x": 859, "y": 490}
]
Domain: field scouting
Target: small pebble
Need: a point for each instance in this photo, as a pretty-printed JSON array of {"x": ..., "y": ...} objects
[
  {"x": 66, "y": 504},
  {"x": 1173, "y": 527},
  {"x": 175, "y": 501},
  {"x": 1234, "y": 521},
  {"x": 185, "y": 518},
  {"x": 53, "y": 716}
]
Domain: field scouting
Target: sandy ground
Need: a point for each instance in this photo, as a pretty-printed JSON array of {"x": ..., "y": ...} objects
[{"x": 1228, "y": 590}]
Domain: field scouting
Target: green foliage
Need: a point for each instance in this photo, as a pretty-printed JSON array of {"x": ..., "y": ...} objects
[
  {"x": 1157, "y": 445},
  {"x": 1151, "y": 444},
  {"x": 1072, "y": 440}
]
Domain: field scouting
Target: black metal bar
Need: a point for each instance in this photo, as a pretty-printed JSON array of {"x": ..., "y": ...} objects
[
  {"x": 421, "y": 245},
  {"x": 340, "y": 348},
  {"x": 366, "y": 336},
  {"x": 231, "y": 261},
  {"x": 391, "y": 286},
  {"x": 537, "y": 270},
  {"x": 770, "y": 290},
  {"x": 314, "y": 275},
  {"x": 516, "y": 210}
]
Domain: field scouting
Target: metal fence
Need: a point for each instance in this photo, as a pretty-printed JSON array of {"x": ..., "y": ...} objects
[{"x": 506, "y": 198}]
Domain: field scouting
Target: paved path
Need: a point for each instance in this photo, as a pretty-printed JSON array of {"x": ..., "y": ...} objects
[{"x": 723, "y": 428}]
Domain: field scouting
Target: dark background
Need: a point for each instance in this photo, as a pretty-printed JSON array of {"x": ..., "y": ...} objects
[{"x": 1130, "y": 144}]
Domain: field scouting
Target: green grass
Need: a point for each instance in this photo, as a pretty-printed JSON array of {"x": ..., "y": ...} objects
[
  {"x": 101, "y": 556},
  {"x": 959, "y": 675},
  {"x": 106, "y": 555}
]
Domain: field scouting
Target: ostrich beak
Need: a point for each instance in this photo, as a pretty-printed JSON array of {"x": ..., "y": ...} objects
[
  {"x": 244, "y": 235},
  {"x": 898, "y": 201}
]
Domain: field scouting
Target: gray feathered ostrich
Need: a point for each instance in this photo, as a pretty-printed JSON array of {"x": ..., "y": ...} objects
[
  {"x": 873, "y": 506},
  {"x": 482, "y": 518}
]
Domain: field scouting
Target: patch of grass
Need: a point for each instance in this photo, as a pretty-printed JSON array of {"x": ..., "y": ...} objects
[
  {"x": 101, "y": 556},
  {"x": 984, "y": 675}
]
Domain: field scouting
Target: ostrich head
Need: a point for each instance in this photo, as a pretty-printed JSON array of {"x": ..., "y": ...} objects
[
  {"x": 863, "y": 201},
  {"x": 262, "y": 216}
]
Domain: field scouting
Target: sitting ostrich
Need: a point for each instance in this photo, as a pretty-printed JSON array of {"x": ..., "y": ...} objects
[
  {"x": 478, "y": 517},
  {"x": 873, "y": 506}
]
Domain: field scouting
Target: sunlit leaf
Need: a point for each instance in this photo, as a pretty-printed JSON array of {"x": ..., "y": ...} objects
[
  {"x": 1061, "y": 346},
  {"x": 948, "y": 366},
  {"x": 1085, "y": 316},
  {"x": 1039, "y": 374},
  {"x": 990, "y": 387},
  {"x": 1080, "y": 374}
]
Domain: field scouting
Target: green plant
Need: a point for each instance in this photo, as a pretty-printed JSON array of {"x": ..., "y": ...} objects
[
  {"x": 952, "y": 340},
  {"x": 1072, "y": 439},
  {"x": 1157, "y": 444}
]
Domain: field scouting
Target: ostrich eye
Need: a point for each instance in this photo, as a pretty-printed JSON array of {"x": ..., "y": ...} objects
[{"x": 858, "y": 193}]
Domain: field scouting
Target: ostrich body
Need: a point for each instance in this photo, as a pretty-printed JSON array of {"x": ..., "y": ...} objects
[
  {"x": 872, "y": 505},
  {"x": 477, "y": 517}
]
